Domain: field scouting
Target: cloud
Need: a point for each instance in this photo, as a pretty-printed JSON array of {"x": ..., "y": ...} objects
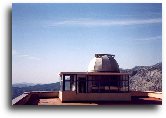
[
  {"x": 33, "y": 58},
  {"x": 150, "y": 38},
  {"x": 101, "y": 22},
  {"x": 25, "y": 56}
]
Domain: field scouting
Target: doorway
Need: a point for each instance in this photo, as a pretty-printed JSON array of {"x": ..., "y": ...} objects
[{"x": 82, "y": 85}]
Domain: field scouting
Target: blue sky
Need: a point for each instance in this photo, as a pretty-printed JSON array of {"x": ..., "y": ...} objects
[{"x": 51, "y": 38}]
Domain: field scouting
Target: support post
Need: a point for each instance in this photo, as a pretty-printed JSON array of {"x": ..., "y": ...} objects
[
  {"x": 87, "y": 83},
  {"x": 63, "y": 82},
  {"x": 128, "y": 83},
  {"x": 76, "y": 84}
]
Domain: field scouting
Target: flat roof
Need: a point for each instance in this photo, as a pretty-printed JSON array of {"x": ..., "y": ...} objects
[
  {"x": 136, "y": 101},
  {"x": 93, "y": 73}
]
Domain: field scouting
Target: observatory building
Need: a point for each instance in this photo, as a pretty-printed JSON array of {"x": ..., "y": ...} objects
[{"x": 102, "y": 82}]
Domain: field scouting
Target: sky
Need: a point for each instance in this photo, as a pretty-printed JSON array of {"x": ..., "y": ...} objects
[{"x": 51, "y": 38}]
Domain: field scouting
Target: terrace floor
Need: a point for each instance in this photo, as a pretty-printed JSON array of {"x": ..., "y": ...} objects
[
  {"x": 134, "y": 101},
  {"x": 57, "y": 101}
]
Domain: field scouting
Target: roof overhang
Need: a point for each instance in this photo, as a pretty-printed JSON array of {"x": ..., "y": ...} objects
[{"x": 92, "y": 73}]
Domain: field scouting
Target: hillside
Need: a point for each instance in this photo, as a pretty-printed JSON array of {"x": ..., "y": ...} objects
[
  {"x": 146, "y": 78},
  {"x": 24, "y": 84},
  {"x": 16, "y": 91}
]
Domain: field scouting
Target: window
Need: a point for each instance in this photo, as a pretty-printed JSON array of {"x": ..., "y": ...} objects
[
  {"x": 67, "y": 85},
  {"x": 69, "y": 82},
  {"x": 67, "y": 78},
  {"x": 107, "y": 84},
  {"x": 124, "y": 83}
]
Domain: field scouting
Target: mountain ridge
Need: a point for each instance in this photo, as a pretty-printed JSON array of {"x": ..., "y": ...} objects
[
  {"x": 16, "y": 91},
  {"x": 145, "y": 78}
]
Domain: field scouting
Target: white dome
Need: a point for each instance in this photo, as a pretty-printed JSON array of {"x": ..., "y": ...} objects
[{"x": 103, "y": 63}]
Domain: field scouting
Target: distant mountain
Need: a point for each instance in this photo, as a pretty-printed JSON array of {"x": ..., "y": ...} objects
[
  {"x": 145, "y": 78},
  {"x": 16, "y": 91},
  {"x": 24, "y": 84}
]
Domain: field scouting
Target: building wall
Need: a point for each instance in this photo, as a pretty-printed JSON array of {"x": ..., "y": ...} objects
[
  {"x": 46, "y": 94},
  {"x": 60, "y": 95},
  {"x": 73, "y": 96},
  {"x": 31, "y": 97},
  {"x": 21, "y": 100},
  {"x": 146, "y": 94}
]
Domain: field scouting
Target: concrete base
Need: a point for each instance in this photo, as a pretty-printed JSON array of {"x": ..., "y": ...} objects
[
  {"x": 33, "y": 97},
  {"x": 69, "y": 96}
]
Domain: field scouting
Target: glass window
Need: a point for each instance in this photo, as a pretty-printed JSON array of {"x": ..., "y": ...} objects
[
  {"x": 67, "y": 85},
  {"x": 70, "y": 82},
  {"x": 67, "y": 77},
  {"x": 108, "y": 84}
]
